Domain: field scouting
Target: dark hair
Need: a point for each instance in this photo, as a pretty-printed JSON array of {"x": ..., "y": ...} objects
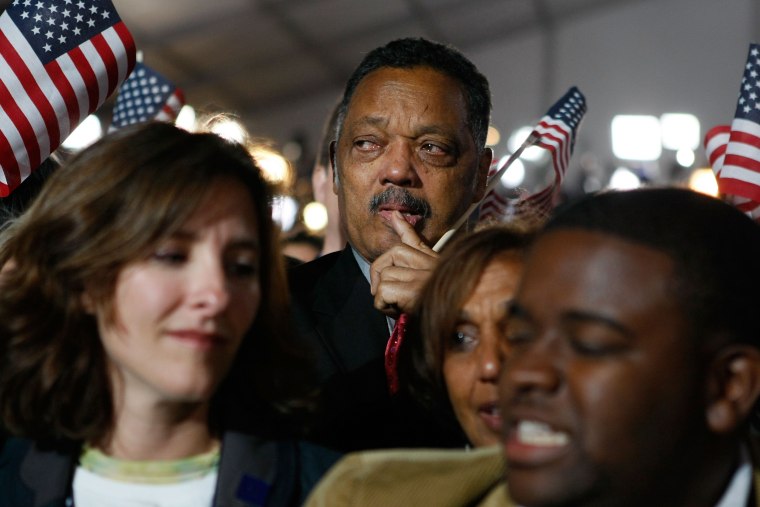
[
  {"x": 329, "y": 133},
  {"x": 417, "y": 52},
  {"x": 434, "y": 319},
  {"x": 110, "y": 205},
  {"x": 713, "y": 246}
]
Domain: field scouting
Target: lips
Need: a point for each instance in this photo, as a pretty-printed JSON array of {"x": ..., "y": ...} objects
[
  {"x": 490, "y": 414},
  {"x": 197, "y": 339},
  {"x": 386, "y": 212},
  {"x": 533, "y": 443}
]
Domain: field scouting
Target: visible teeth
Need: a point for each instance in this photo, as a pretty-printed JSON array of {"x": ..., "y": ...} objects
[
  {"x": 539, "y": 434},
  {"x": 493, "y": 410}
]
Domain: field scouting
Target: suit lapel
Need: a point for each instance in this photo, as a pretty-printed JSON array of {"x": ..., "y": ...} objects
[{"x": 348, "y": 325}]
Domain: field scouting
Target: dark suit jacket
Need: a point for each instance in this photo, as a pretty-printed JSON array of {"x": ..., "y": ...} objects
[
  {"x": 336, "y": 322},
  {"x": 252, "y": 472}
]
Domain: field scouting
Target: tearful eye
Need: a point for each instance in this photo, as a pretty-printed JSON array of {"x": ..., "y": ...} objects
[
  {"x": 434, "y": 149},
  {"x": 365, "y": 145}
]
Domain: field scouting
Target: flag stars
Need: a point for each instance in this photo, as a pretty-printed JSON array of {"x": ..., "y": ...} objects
[
  {"x": 62, "y": 39},
  {"x": 105, "y": 14},
  {"x": 80, "y": 4},
  {"x": 49, "y": 34},
  {"x": 40, "y": 5},
  {"x": 79, "y": 18},
  {"x": 90, "y": 22},
  {"x": 77, "y": 31},
  {"x": 53, "y": 8},
  {"x": 64, "y": 26},
  {"x": 24, "y": 15},
  {"x": 47, "y": 48},
  {"x": 94, "y": 10},
  {"x": 66, "y": 13},
  {"x": 51, "y": 21},
  {"x": 36, "y": 30}
]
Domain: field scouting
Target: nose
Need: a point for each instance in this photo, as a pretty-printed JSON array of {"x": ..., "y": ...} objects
[
  {"x": 399, "y": 168},
  {"x": 210, "y": 294},
  {"x": 489, "y": 360},
  {"x": 531, "y": 369}
]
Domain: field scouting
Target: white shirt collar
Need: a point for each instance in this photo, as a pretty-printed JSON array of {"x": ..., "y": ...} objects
[
  {"x": 738, "y": 491},
  {"x": 364, "y": 267}
]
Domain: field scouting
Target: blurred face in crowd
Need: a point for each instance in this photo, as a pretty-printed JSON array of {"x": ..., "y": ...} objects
[
  {"x": 179, "y": 316},
  {"x": 405, "y": 145},
  {"x": 471, "y": 362},
  {"x": 602, "y": 387}
]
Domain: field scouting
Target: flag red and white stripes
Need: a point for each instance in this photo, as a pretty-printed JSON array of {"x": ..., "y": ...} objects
[
  {"x": 734, "y": 152},
  {"x": 556, "y": 132},
  {"x": 59, "y": 62}
]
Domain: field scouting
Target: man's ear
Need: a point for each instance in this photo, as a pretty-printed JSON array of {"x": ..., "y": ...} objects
[
  {"x": 733, "y": 387},
  {"x": 331, "y": 151},
  {"x": 484, "y": 164}
]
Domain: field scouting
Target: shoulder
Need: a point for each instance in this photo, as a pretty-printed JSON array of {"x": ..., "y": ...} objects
[
  {"x": 282, "y": 471},
  {"x": 413, "y": 477},
  {"x": 304, "y": 277},
  {"x": 27, "y": 472}
]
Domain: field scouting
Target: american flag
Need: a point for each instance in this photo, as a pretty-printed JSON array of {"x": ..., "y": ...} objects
[
  {"x": 739, "y": 174},
  {"x": 556, "y": 131},
  {"x": 59, "y": 62},
  {"x": 146, "y": 95},
  {"x": 716, "y": 141}
]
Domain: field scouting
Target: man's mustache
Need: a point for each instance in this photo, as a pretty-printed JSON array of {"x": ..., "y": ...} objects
[{"x": 400, "y": 197}]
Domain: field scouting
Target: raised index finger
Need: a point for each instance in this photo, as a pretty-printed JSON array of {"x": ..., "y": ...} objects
[{"x": 406, "y": 232}]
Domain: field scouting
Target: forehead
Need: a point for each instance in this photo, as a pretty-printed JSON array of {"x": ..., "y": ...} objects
[
  {"x": 582, "y": 271},
  {"x": 421, "y": 94},
  {"x": 500, "y": 277}
]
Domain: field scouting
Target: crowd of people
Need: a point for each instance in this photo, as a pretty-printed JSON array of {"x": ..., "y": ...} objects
[{"x": 157, "y": 347}]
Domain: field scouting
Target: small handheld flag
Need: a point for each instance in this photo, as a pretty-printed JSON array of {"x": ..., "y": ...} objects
[
  {"x": 737, "y": 162},
  {"x": 556, "y": 132},
  {"x": 59, "y": 62},
  {"x": 146, "y": 95}
]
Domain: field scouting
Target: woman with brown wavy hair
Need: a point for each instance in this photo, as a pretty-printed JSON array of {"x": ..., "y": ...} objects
[
  {"x": 449, "y": 363},
  {"x": 131, "y": 285}
]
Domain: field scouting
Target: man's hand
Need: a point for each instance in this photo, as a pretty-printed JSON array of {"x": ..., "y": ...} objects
[{"x": 398, "y": 275}]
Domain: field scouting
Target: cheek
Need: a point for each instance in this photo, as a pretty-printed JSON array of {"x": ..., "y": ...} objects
[{"x": 457, "y": 375}]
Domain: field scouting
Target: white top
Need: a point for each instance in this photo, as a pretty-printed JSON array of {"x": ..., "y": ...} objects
[{"x": 92, "y": 490}]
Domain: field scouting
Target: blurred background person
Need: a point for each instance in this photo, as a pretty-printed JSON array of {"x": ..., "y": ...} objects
[
  {"x": 301, "y": 246},
  {"x": 140, "y": 272},
  {"x": 322, "y": 185},
  {"x": 449, "y": 363}
]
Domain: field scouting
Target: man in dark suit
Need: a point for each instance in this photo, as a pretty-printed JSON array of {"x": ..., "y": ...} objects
[{"x": 409, "y": 159}]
